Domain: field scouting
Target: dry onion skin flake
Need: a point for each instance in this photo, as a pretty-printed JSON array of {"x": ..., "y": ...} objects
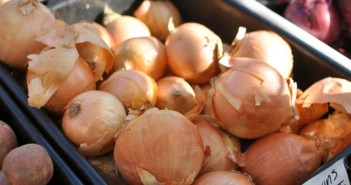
[{"x": 328, "y": 90}]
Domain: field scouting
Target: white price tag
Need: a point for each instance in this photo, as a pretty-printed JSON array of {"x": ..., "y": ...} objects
[{"x": 336, "y": 174}]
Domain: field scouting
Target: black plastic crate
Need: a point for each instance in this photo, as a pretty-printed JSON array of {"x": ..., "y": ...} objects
[
  {"x": 313, "y": 60},
  {"x": 27, "y": 132}
]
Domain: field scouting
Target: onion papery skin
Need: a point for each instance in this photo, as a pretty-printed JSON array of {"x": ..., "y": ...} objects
[
  {"x": 126, "y": 27},
  {"x": 219, "y": 146},
  {"x": 133, "y": 88},
  {"x": 80, "y": 80},
  {"x": 175, "y": 93},
  {"x": 317, "y": 17},
  {"x": 146, "y": 54},
  {"x": 268, "y": 47},
  {"x": 161, "y": 146},
  {"x": 100, "y": 30},
  {"x": 282, "y": 158},
  {"x": 20, "y": 23},
  {"x": 193, "y": 52},
  {"x": 224, "y": 177},
  {"x": 156, "y": 15},
  {"x": 246, "y": 98},
  {"x": 91, "y": 121}
]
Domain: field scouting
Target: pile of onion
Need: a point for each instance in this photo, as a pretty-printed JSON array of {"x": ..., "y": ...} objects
[
  {"x": 21, "y": 22},
  {"x": 245, "y": 99},
  {"x": 281, "y": 158},
  {"x": 91, "y": 121},
  {"x": 159, "y": 147},
  {"x": 193, "y": 52}
]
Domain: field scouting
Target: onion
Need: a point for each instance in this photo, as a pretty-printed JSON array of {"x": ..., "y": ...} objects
[
  {"x": 193, "y": 52},
  {"x": 123, "y": 27},
  {"x": 91, "y": 121},
  {"x": 282, "y": 158},
  {"x": 224, "y": 177},
  {"x": 329, "y": 131},
  {"x": 220, "y": 147},
  {"x": 249, "y": 110},
  {"x": 265, "y": 46},
  {"x": 157, "y": 15},
  {"x": 133, "y": 88},
  {"x": 317, "y": 17},
  {"x": 47, "y": 71},
  {"x": 146, "y": 54},
  {"x": 81, "y": 79},
  {"x": 20, "y": 23},
  {"x": 175, "y": 93},
  {"x": 159, "y": 147}
]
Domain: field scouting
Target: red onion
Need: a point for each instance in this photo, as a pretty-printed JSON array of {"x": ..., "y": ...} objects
[{"x": 317, "y": 17}]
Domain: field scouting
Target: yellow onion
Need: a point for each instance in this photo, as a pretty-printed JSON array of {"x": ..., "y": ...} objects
[
  {"x": 146, "y": 54},
  {"x": 81, "y": 79},
  {"x": 220, "y": 147},
  {"x": 175, "y": 93},
  {"x": 20, "y": 23},
  {"x": 91, "y": 121},
  {"x": 159, "y": 147},
  {"x": 47, "y": 71},
  {"x": 281, "y": 158},
  {"x": 123, "y": 27},
  {"x": 245, "y": 99},
  {"x": 329, "y": 131},
  {"x": 265, "y": 46},
  {"x": 133, "y": 88},
  {"x": 193, "y": 52},
  {"x": 100, "y": 30},
  {"x": 224, "y": 177},
  {"x": 157, "y": 16}
]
